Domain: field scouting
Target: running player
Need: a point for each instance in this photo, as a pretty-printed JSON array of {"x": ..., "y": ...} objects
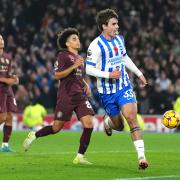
[
  {"x": 72, "y": 93},
  {"x": 106, "y": 60}
]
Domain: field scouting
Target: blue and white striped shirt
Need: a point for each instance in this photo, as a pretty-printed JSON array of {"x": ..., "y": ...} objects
[{"x": 107, "y": 55}]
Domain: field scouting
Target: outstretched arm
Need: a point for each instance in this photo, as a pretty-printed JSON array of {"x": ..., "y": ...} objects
[{"x": 133, "y": 68}]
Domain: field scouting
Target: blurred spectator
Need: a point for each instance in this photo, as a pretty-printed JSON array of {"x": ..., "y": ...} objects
[
  {"x": 47, "y": 97},
  {"x": 157, "y": 101},
  {"x": 176, "y": 105},
  {"x": 171, "y": 97},
  {"x": 143, "y": 102},
  {"x": 22, "y": 98},
  {"x": 33, "y": 116},
  {"x": 177, "y": 86},
  {"x": 151, "y": 30},
  {"x": 163, "y": 81}
]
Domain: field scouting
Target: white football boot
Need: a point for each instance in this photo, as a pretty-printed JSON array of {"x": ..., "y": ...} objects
[
  {"x": 28, "y": 141},
  {"x": 107, "y": 128},
  {"x": 79, "y": 159}
]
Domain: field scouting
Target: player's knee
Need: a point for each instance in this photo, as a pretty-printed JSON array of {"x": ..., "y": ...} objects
[
  {"x": 88, "y": 124},
  {"x": 130, "y": 116},
  {"x": 3, "y": 117},
  {"x": 9, "y": 118}
]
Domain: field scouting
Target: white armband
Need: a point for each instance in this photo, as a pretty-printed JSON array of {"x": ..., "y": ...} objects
[
  {"x": 90, "y": 70},
  {"x": 131, "y": 66}
]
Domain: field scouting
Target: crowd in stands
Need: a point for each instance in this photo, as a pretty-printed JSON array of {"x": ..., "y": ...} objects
[{"x": 150, "y": 29}]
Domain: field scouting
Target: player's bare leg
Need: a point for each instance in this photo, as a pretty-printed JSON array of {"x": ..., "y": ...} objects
[
  {"x": 6, "y": 118},
  {"x": 45, "y": 131},
  {"x": 129, "y": 111},
  {"x": 115, "y": 123},
  {"x": 3, "y": 117},
  {"x": 84, "y": 140}
]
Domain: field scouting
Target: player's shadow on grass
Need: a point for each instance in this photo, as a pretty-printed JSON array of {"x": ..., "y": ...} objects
[{"x": 103, "y": 167}]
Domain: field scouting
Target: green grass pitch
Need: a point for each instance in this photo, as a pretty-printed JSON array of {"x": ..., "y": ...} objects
[{"x": 113, "y": 158}]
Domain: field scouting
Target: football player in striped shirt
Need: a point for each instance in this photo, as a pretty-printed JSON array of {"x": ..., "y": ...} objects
[{"x": 107, "y": 60}]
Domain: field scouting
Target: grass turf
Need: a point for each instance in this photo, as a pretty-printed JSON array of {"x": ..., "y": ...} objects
[{"x": 113, "y": 158}]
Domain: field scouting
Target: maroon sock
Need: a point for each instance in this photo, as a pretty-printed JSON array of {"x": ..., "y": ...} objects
[
  {"x": 47, "y": 130},
  {"x": 85, "y": 139},
  {"x": 7, "y": 133}
]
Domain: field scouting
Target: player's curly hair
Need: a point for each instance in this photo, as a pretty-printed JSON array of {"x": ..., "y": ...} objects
[
  {"x": 63, "y": 36},
  {"x": 103, "y": 17}
]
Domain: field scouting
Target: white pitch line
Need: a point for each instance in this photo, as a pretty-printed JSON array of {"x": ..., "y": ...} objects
[
  {"x": 89, "y": 152},
  {"x": 149, "y": 177}
]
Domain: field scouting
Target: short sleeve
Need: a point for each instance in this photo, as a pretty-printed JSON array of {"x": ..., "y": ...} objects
[
  {"x": 59, "y": 64},
  {"x": 93, "y": 54}
]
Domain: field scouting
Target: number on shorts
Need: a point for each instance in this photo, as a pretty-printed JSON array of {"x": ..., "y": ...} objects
[
  {"x": 88, "y": 105},
  {"x": 129, "y": 94}
]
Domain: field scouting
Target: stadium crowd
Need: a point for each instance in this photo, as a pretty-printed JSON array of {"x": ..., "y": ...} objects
[{"x": 150, "y": 29}]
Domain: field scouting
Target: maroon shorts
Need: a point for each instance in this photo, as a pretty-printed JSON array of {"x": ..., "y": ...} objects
[
  {"x": 65, "y": 108},
  {"x": 7, "y": 103}
]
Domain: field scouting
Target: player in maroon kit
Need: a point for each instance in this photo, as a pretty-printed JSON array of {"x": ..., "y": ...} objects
[
  {"x": 7, "y": 100},
  {"x": 72, "y": 93}
]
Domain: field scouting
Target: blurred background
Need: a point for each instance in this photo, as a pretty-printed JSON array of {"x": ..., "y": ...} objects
[{"x": 152, "y": 36}]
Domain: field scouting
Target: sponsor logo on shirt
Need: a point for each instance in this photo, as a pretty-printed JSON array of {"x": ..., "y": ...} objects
[{"x": 89, "y": 53}]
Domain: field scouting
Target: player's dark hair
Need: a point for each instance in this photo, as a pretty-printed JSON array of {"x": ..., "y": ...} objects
[
  {"x": 63, "y": 36},
  {"x": 103, "y": 17}
]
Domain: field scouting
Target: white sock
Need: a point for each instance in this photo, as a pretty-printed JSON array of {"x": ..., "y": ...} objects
[
  {"x": 107, "y": 119},
  {"x": 80, "y": 155},
  {"x": 4, "y": 144},
  {"x": 139, "y": 146}
]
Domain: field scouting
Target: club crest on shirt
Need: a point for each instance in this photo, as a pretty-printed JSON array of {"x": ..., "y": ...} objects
[{"x": 71, "y": 58}]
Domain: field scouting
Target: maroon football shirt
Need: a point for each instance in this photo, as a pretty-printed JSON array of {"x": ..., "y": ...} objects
[
  {"x": 7, "y": 100},
  {"x": 5, "y": 71},
  {"x": 71, "y": 86}
]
